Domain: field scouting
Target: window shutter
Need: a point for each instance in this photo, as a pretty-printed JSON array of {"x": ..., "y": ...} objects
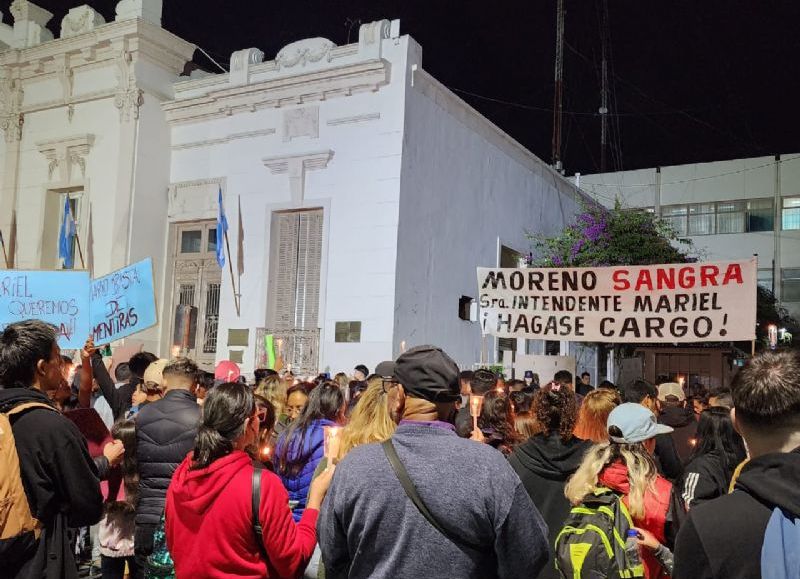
[
  {"x": 309, "y": 260},
  {"x": 295, "y": 264}
]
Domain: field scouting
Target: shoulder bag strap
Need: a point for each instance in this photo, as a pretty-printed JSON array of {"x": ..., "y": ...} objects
[
  {"x": 255, "y": 503},
  {"x": 411, "y": 491},
  {"x": 29, "y": 405}
]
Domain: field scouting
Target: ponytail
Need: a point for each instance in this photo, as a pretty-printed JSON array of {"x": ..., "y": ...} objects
[
  {"x": 209, "y": 446},
  {"x": 225, "y": 412}
]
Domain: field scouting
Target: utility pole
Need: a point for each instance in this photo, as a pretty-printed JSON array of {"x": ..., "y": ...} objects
[
  {"x": 604, "y": 37},
  {"x": 559, "y": 80}
]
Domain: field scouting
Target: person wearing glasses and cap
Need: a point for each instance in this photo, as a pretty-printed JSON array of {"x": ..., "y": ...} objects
[
  {"x": 625, "y": 465},
  {"x": 430, "y": 504}
]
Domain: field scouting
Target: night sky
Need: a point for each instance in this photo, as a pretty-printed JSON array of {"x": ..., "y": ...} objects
[{"x": 691, "y": 81}]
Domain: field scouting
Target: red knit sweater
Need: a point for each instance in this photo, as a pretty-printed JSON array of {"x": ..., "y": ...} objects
[{"x": 210, "y": 528}]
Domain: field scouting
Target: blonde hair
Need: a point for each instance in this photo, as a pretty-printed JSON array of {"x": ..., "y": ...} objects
[
  {"x": 642, "y": 473},
  {"x": 593, "y": 415},
  {"x": 273, "y": 388},
  {"x": 370, "y": 420}
]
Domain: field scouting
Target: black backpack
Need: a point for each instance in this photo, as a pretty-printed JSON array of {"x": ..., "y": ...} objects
[{"x": 591, "y": 543}]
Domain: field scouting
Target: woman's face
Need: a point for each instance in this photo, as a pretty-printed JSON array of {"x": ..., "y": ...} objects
[{"x": 295, "y": 404}]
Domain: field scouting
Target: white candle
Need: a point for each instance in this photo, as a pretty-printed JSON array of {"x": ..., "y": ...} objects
[{"x": 332, "y": 441}]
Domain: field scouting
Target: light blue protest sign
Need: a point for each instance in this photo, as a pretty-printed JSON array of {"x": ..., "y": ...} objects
[
  {"x": 60, "y": 298},
  {"x": 123, "y": 302}
]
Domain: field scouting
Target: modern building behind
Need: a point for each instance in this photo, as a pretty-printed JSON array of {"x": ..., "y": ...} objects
[
  {"x": 367, "y": 192},
  {"x": 729, "y": 209}
]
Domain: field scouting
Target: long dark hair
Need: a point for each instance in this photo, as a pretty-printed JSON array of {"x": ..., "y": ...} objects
[
  {"x": 324, "y": 402},
  {"x": 125, "y": 430},
  {"x": 497, "y": 421},
  {"x": 715, "y": 433},
  {"x": 225, "y": 411}
]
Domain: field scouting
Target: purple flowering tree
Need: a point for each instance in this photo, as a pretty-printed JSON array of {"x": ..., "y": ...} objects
[{"x": 606, "y": 237}]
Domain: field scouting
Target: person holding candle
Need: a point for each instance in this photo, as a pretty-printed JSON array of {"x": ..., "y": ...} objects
[
  {"x": 209, "y": 523},
  {"x": 369, "y": 525},
  {"x": 301, "y": 447},
  {"x": 482, "y": 382}
]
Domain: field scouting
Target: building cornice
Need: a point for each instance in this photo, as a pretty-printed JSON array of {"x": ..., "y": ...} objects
[
  {"x": 308, "y": 70},
  {"x": 144, "y": 39},
  {"x": 321, "y": 85}
]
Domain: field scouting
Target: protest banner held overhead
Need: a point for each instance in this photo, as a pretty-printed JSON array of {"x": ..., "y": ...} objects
[
  {"x": 123, "y": 302},
  {"x": 60, "y": 298},
  {"x": 674, "y": 303}
]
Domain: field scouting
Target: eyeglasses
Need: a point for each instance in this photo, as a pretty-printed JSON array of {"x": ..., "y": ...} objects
[{"x": 388, "y": 384}]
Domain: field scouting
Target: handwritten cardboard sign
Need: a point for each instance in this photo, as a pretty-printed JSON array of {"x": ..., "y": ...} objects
[
  {"x": 123, "y": 302},
  {"x": 676, "y": 303},
  {"x": 60, "y": 298}
]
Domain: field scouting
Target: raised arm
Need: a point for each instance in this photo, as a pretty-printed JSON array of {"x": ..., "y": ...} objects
[{"x": 86, "y": 374}]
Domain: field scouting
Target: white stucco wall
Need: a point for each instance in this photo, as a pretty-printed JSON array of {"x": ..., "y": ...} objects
[
  {"x": 358, "y": 191},
  {"x": 465, "y": 188}
]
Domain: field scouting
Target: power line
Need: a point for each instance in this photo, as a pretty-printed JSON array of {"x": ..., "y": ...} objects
[
  {"x": 680, "y": 181},
  {"x": 550, "y": 109}
]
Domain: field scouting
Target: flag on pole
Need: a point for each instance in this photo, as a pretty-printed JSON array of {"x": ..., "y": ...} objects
[
  {"x": 240, "y": 248},
  {"x": 222, "y": 229},
  {"x": 65, "y": 235},
  {"x": 90, "y": 245}
]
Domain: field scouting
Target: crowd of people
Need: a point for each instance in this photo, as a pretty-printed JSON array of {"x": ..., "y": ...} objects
[{"x": 416, "y": 470}]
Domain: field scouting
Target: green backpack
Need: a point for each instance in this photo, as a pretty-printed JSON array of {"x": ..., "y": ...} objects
[{"x": 591, "y": 543}]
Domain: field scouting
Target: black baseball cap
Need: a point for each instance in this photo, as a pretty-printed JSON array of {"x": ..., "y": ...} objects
[
  {"x": 427, "y": 372},
  {"x": 386, "y": 369}
]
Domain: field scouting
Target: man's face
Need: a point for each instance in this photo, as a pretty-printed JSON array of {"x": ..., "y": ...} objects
[
  {"x": 585, "y": 379},
  {"x": 466, "y": 389},
  {"x": 359, "y": 375},
  {"x": 50, "y": 372}
]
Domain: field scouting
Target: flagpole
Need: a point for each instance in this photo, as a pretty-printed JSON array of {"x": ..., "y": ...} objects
[
  {"x": 80, "y": 251},
  {"x": 5, "y": 255},
  {"x": 233, "y": 281}
]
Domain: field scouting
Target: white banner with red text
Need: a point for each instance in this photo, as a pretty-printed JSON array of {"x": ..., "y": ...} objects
[{"x": 675, "y": 303}]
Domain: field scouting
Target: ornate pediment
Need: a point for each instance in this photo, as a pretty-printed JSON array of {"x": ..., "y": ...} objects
[
  {"x": 303, "y": 52},
  {"x": 66, "y": 158}
]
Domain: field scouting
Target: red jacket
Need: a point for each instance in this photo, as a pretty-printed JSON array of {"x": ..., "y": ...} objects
[
  {"x": 210, "y": 528},
  {"x": 656, "y": 506}
]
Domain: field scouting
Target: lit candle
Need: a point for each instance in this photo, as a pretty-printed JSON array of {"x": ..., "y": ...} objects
[
  {"x": 475, "y": 405},
  {"x": 265, "y": 452},
  {"x": 333, "y": 438},
  {"x": 681, "y": 380}
]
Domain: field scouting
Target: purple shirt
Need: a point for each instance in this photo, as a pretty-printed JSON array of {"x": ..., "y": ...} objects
[{"x": 431, "y": 423}]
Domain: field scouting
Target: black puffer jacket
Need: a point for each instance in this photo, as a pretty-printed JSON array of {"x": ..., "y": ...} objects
[{"x": 165, "y": 433}]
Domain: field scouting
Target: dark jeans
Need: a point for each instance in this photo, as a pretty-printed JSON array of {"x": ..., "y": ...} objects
[
  {"x": 114, "y": 567},
  {"x": 142, "y": 547}
]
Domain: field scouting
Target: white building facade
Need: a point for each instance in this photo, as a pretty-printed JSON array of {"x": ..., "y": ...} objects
[
  {"x": 360, "y": 193},
  {"x": 729, "y": 209}
]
